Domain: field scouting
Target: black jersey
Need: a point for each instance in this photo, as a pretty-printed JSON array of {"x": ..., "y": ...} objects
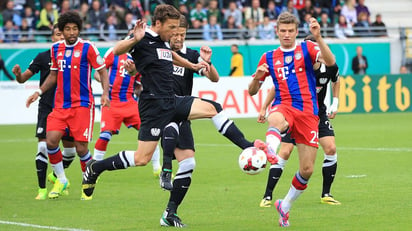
[
  {"x": 153, "y": 60},
  {"x": 41, "y": 63},
  {"x": 323, "y": 75},
  {"x": 183, "y": 77}
]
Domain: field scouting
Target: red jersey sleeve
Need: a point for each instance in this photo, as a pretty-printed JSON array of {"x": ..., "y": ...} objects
[
  {"x": 314, "y": 50},
  {"x": 53, "y": 65},
  {"x": 94, "y": 58},
  {"x": 109, "y": 58},
  {"x": 262, "y": 61}
]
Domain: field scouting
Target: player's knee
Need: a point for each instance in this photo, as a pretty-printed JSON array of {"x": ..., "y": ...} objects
[
  {"x": 172, "y": 129},
  {"x": 141, "y": 161},
  {"x": 330, "y": 149},
  {"x": 306, "y": 171},
  {"x": 216, "y": 105},
  {"x": 284, "y": 153}
]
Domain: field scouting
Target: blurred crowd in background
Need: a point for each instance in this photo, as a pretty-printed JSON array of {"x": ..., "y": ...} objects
[{"x": 109, "y": 20}]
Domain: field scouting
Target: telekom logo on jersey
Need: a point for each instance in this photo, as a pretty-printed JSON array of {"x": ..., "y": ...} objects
[
  {"x": 62, "y": 64},
  {"x": 283, "y": 72}
]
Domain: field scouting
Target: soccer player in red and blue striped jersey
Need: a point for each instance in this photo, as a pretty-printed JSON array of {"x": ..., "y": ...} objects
[
  {"x": 72, "y": 61},
  {"x": 123, "y": 105},
  {"x": 295, "y": 108}
]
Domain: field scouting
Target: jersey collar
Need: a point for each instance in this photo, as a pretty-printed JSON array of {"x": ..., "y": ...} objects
[
  {"x": 183, "y": 50},
  {"x": 288, "y": 50},
  {"x": 74, "y": 44},
  {"x": 151, "y": 32}
]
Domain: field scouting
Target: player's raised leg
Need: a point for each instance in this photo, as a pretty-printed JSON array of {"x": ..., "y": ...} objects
[
  {"x": 169, "y": 141},
  {"x": 203, "y": 108},
  {"x": 275, "y": 172},
  {"x": 121, "y": 160}
]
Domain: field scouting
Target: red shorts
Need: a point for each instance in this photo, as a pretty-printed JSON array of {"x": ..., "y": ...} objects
[
  {"x": 79, "y": 121},
  {"x": 303, "y": 126},
  {"x": 118, "y": 113}
]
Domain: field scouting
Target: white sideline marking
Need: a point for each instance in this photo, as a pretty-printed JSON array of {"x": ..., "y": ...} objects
[
  {"x": 40, "y": 226},
  {"x": 356, "y": 176},
  {"x": 376, "y": 149}
]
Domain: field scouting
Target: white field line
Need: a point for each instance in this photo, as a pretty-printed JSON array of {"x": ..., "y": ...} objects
[
  {"x": 39, "y": 226},
  {"x": 376, "y": 149}
]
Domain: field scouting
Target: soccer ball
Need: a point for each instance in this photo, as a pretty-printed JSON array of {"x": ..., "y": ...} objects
[{"x": 252, "y": 161}]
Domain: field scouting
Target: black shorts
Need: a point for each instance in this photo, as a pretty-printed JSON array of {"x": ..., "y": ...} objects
[
  {"x": 325, "y": 126},
  {"x": 325, "y": 129},
  {"x": 155, "y": 114},
  {"x": 183, "y": 107},
  {"x": 185, "y": 136},
  {"x": 42, "y": 113}
]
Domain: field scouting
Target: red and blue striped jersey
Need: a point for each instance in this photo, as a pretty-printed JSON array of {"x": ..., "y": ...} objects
[
  {"x": 73, "y": 64},
  {"x": 293, "y": 76},
  {"x": 121, "y": 83}
]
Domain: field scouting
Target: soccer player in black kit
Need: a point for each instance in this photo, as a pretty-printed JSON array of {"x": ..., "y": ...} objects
[
  {"x": 158, "y": 104},
  {"x": 177, "y": 139},
  {"x": 324, "y": 75},
  {"x": 41, "y": 63},
  {"x": 178, "y": 134}
]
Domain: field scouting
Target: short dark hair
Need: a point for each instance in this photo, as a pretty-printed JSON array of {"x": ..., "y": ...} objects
[
  {"x": 69, "y": 17},
  {"x": 310, "y": 38},
  {"x": 183, "y": 22},
  {"x": 164, "y": 12},
  {"x": 54, "y": 29}
]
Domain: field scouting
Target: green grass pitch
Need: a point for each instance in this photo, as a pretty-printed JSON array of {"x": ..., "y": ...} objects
[{"x": 373, "y": 183}]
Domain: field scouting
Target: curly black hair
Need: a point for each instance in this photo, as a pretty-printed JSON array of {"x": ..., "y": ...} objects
[{"x": 69, "y": 17}]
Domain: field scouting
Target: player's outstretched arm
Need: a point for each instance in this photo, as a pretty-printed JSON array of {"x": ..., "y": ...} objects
[
  {"x": 333, "y": 110},
  {"x": 48, "y": 83},
  {"x": 180, "y": 61},
  {"x": 130, "y": 67},
  {"x": 206, "y": 55},
  {"x": 104, "y": 80},
  {"x": 326, "y": 53},
  {"x": 124, "y": 46},
  {"x": 255, "y": 84},
  {"x": 265, "y": 105},
  {"x": 21, "y": 77}
]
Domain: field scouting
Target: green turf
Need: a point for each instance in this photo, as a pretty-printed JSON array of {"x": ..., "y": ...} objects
[{"x": 373, "y": 183}]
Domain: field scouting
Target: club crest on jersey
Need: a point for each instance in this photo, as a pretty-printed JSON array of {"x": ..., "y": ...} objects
[
  {"x": 180, "y": 71},
  {"x": 76, "y": 54},
  {"x": 288, "y": 59},
  {"x": 318, "y": 89},
  {"x": 323, "y": 80},
  {"x": 99, "y": 60},
  {"x": 164, "y": 54},
  {"x": 298, "y": 55},
  {"x": 155, "y": 131},
  {"x": 68, "y": 53}
]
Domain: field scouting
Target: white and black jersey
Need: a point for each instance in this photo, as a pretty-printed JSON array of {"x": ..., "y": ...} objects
[
  {"x": 41, "y": 63},
  {"x": 183, "y": 77},
  {"x": 323, "y": 75},
  {"x": 153, "y": 60}
]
